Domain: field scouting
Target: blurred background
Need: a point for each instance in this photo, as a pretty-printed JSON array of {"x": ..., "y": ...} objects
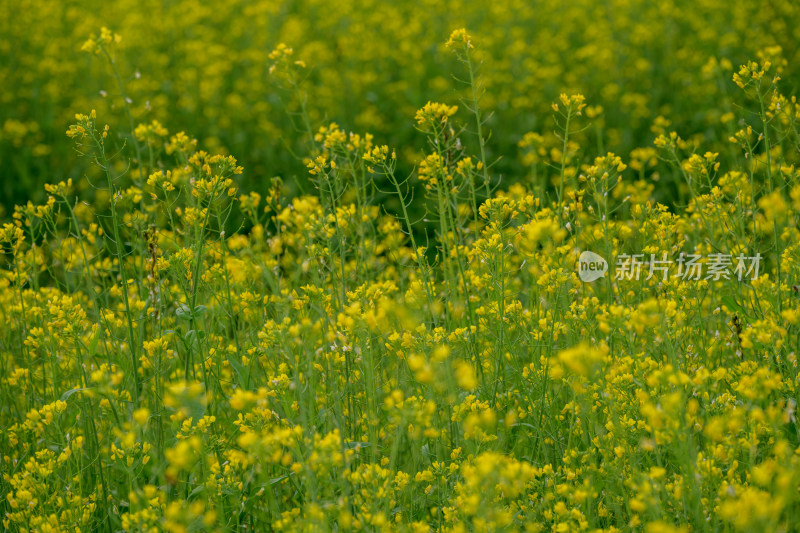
[{"x": 202, "y": 67}]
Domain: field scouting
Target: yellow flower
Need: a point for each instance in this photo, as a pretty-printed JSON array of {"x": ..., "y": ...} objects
[
  {"x": 465, "y": 375},
  {"x": 434, "y": 115},
  {"x": 459, "y": 40}
]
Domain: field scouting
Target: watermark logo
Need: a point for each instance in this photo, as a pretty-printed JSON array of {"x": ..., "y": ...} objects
[
  {"x": 715, "y": 266},
  {"x": 591, "y": 266}
]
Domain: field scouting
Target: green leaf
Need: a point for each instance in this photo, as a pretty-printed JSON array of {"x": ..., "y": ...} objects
[
  {"x": 196, "y": 491},
  {"x": 731, "y": 304},
  {"x": 95, "y": 339},
  {"x": 71, "y": 392},
  {"x": 183, "y": 312},
  {"x": 242, "y": 371},
  {"x": 194, "y": 336},
  {"x": 426, "y": 452}
]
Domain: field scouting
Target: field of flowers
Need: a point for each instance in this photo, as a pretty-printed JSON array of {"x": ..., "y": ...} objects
[{"x": 320, "y": 266}]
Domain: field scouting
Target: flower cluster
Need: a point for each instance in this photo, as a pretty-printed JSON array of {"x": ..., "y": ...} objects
[{"x": 398, "y": 338}]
